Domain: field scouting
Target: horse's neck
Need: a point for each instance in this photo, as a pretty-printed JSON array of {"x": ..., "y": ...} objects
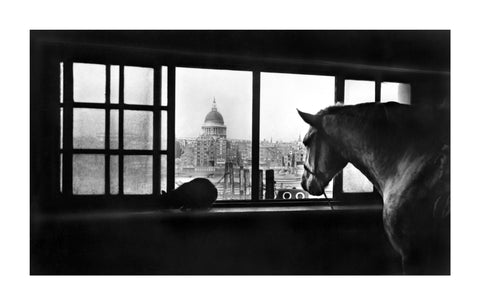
[{"x": 380, "y": 159}]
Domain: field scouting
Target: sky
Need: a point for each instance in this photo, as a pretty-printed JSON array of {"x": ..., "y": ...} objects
[
  {"x": 194, "y": 94},
  {"x": 280, "y": 95}
]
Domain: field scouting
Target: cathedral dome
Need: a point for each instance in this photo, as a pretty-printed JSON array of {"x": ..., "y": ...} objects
[{"x": 214, "y": 117}]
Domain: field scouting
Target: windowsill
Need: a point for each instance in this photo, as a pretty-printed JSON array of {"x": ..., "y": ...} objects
[{"x": 216, "y": 211}]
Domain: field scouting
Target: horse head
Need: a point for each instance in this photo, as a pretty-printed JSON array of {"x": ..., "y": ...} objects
[{"x": 322, "y": 162}]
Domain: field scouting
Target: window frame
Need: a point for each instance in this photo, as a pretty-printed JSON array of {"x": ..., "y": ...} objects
[
  {"x": 68, "y": 105},
  {"x": 156, "y": 59}
]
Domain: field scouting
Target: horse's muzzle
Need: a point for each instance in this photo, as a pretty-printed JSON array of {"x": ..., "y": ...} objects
[{"x": 311, "y": 184}]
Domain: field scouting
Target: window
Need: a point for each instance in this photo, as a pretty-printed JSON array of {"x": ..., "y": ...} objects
[
  {"x": 281, "y": 149},
  {"x": 114, "y": 129},
  {"x": 361, "y": 91},
  {"x": 113, "y": 136},
  {"x": 396, "y": 92},
  {"x": 357, "y": 91},
  {"x": 214, "y": 129}
]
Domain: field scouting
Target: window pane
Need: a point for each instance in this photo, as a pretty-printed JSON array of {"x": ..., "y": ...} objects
[
  {"x": 164, "y": 88},
  {"x": 61, "y": 128},
  {"x": 396, "y": 92},
  {"x": 281, "y": 147},
  {"x": 354, "y": 181},
  {"x": 213, "y": 129},
  {"x": 163, "y": 172},
  {"x": 163, "y": 131},
  {"x": 114, "y": 83},
  {"x": 357, "y": 92},
  {"x": 137, "y": 174},
  {"x": 114, "y": 129},
  {"x": 138, "y": 130},
  {"x": 138, "y": 85},
  {"x": 113, "y": 175},
  {"x": 88, "y": 128},
  {"x": 88, "y": 174},
  {"x": 88, "y": 83},
  {"x": 61, "y": 82}
]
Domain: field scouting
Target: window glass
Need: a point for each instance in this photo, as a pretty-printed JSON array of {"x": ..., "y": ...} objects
[
  {"x": 138, "y": 129},
  {"x": 61, "y": 128},
  {"x": 137, "y": 174},
  {"x": 163, "y": 131},
  {"x": 354, "y": 181},
  {"x": 88, "y": 128},
  {"x": 114, "y": 83},
  {"x": 113, "y": 175},
  {"x": 61, "y": 82},
  {"x": 88, "y": 174},
  {"x": 163, "y": 172},
  {"x": 282, "y": 130},
  {"x": 164, "y": 88},
  {"x": 113, "y": 129},
  {"x": 213, "y": 129},
  {"x": 138, "y": 85},
  {"x": 396, "y": 92},
  {"x": 359, "y": 91},
  {"x": 89, "y": 83},
  {"x": 356, "y": 92}
]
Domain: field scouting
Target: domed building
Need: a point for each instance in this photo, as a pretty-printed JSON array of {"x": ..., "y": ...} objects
[
  {"x": 212, "y": 145},
  {"x": 214, "y": 125}
]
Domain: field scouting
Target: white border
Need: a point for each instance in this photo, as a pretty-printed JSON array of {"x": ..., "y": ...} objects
[{"x": 20, "y": 288}]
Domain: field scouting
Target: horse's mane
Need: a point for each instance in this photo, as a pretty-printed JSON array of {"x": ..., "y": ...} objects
[{"x": 393, "y": 119}]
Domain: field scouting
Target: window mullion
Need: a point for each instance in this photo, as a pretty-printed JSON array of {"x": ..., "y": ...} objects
[
  {"x": 171, "y": 128},
  {"x": 67, "y": 127},
  {"x": 107, "y": 130},
  {"x": 339, "y": 97},
  {"x": 255, "y": 187},
  {"x": 120, "y": 129},
  {"x": 378, "y": 86},
  {"x": 156, "y": 130}
]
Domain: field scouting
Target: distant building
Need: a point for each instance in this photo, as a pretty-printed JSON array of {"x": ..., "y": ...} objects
[
  {"x": 212, "y": 150},
  {"x": 212, "y": 145},
  {"x": 213, "y": 125}
]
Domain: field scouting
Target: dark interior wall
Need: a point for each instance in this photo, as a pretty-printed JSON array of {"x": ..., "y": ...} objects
[
  {"x": 422, "y": 50},
  {"x": 112, "y": 242},
  {"x": 345, "y": 242}
]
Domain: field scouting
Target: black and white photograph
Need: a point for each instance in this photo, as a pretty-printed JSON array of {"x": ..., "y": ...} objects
[
  {"x": 254, "y": 152},
  {"x": 235, "y": 152}
]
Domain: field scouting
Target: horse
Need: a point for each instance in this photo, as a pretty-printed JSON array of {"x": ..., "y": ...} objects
[{"x": 404, "y": 151}]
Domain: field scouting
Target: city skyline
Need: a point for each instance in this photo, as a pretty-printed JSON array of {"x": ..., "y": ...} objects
[{"x": 281, "y": 94}]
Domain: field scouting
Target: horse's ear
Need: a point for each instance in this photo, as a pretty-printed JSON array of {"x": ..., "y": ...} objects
[{"x": 311, "y": 119}]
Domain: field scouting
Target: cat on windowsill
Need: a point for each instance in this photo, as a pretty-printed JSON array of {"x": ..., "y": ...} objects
[{"x": 197, "y": 194}]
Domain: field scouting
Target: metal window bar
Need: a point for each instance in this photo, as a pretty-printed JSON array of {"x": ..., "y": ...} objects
[
  {"x": 107, "y": 130},
  {"x": 339, "y": 97},
  {"x": 378, "y": 89},
  {"x": 120, "y": 128},
  {"x": 156, "y": 130},
  {"x": 171, "y": 128},
  {"x": 67, "y": 126},
  {"x": 255, "y": 186}
]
